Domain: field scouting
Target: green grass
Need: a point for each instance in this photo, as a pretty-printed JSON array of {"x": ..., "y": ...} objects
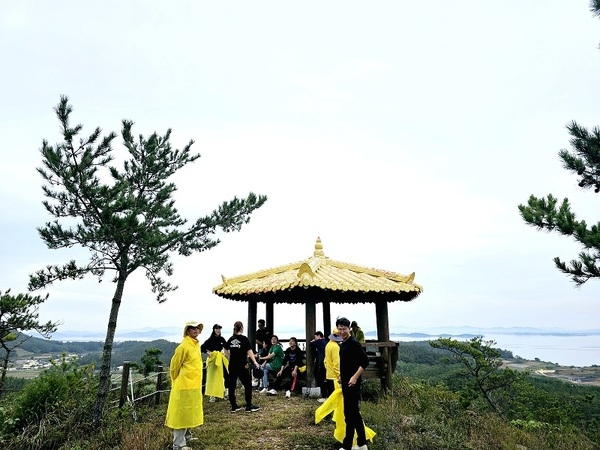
[{"x": 415, "y": 416}]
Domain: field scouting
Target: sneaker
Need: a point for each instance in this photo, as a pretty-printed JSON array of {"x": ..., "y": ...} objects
[
  {"x": 236, "y": 409},
  {"x": 255, "y": 383},
  {"x": 272, "y": 392},
  {"x": 211, "y": 399},
  {"x": 288, "y": 394},
  {"x": 321, "y": 400},
  {"x": 361, "y": 447},
  {"x": 264, "y": 391},
  {"x": 252, "y": 408}
]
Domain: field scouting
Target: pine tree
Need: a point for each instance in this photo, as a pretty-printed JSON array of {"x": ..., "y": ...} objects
[
  {"x": 125, "y": 218},
  {"x": 548, "y": 214},
  {"x": 19, "y": 314}
]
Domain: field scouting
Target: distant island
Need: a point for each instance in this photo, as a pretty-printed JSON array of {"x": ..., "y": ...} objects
[{"x": 464, "y": 332}]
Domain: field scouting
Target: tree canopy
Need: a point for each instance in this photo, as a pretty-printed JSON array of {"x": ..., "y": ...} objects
[
  {"x": 482, "y": 366},
  {"x": 126, "y": 218},
  {"x": 550, "y": 214},
  {"x": 18, "y": 314}
]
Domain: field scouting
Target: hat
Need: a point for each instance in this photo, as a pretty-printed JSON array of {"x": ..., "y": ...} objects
[
  {"x": 192, "y": 323},
  {"x": 216, "y": 325},
  {"x": 334, "y": 336}
]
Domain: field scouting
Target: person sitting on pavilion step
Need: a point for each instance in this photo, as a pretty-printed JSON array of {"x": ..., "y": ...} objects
[
  {"x": 293, "y": 360},
  {"x": 272, "y": 362}
]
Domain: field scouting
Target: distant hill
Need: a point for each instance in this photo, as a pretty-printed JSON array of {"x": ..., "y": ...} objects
[{"x": 91, "y": 351}]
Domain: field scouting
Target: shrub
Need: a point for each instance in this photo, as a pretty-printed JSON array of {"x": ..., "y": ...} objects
[{"x": 51, "y": 407}]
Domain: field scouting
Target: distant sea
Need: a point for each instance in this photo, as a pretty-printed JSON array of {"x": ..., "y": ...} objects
[
  {"x": 566, "y": 350},
  {"x": 564, "y": 347}
]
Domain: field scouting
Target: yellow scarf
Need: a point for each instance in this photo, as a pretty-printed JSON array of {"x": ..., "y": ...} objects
[
  {"x": 214, "y": 374},
  {"x": 335, "y": 404}
]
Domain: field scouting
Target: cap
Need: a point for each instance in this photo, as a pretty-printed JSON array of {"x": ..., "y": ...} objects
[
  {"x": 334, "y": 336},
  {"x": 192, "y": 323},
  {"x": 216, "y": 325}
]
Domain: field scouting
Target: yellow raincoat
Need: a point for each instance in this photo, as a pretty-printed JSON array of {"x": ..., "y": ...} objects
[
  {"x": 214, "y": 374},
  {"x": 335, "y": 404},
  {"x": 185, "y": 401}
]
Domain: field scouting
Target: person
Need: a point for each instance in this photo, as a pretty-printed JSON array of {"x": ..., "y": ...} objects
[
  {"x": 215, "y": 342},
  {"x": 238, "y": 350},
  {"x": 185, "y": 409},
  {"x": 357, "y": 332},
  {"x": 263, "y": 342},
  {"x": 292, "y": 361},
  {"x": 353, "y": 362},
  {"x": 263, "y": 335},
  {"x": 332, "y": 364},
  {"x": 318, "y": 345},
  {"x": 257, "y": 374},
  {"x": 271, "y": 363},
  {"x": 216, "y": 364}
]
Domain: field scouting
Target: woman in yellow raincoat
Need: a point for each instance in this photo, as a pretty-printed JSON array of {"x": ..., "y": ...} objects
[{"x": 185, "y": 401}]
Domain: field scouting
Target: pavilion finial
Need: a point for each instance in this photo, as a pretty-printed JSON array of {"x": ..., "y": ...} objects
[{"x": 318, "y": 248}]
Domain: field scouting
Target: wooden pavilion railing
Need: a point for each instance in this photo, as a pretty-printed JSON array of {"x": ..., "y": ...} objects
[{"x": 383, "y": 357}]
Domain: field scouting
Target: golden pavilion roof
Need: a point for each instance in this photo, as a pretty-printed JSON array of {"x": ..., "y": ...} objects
[{"x": 322, "y": 279}]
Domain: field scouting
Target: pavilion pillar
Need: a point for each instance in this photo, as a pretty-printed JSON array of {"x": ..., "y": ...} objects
[
  {"x": 251, "y": 325},
  {"x": 326, "y": 318},
  {"x": 270, "y": 318},
  {"x": 310, "y": 324},
  {"x": 383, "y": 323},
  {"x": 383, "y": 335}
]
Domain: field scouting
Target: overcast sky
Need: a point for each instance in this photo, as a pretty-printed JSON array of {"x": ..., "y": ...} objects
[{"x": 403, "y": 133}]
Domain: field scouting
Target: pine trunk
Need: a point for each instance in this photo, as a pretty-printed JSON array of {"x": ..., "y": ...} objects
[{"x": 104, "y": 383}]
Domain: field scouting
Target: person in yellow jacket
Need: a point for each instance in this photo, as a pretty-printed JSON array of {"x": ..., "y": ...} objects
[
  {"x": 332, "y": 364},
  {"x": 185, "y": 409},
  {"x": 357, "y": 332}
]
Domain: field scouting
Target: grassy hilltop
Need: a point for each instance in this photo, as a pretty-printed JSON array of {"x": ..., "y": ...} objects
[{"x": 429, "y": 408}]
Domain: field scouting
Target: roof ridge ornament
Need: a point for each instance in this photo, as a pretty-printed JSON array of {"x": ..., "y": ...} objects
[
  {"x": 305, "y": 273},
  {"x": 318, "y": 248}
]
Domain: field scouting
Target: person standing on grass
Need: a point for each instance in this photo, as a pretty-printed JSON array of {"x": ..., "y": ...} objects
[
  {"x": 332, "y": 364},
  {"x": 353, "y": 362},
  {"x": 263, "y": 343},
  {"x": 239, "y": 349},
  {"x": 263, "y": 335},
  {"x": 185, "y": 409},
  {"x": 216, "y": 365},
  {"x": 318, "y": 345}
]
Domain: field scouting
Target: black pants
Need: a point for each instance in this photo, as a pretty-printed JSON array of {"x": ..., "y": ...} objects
[
  {"x": 226, "y": 378},
  {"x": 354, "y": 421},
  {"x": 327, "y": 389},
  {"x": 244, "y": 377},
  {"x": 320, "y": 378},
  {"x": 286, "y": 372}
]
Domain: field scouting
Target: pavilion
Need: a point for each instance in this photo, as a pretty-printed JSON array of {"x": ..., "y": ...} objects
[{"x": 320, "y": 279}]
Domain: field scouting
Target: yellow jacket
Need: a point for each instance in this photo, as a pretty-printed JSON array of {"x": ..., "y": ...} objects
[
  {"x": 185, "y": 401},
  {"x": 214, "y": 374},
  {"x": 332, "y": 360}
]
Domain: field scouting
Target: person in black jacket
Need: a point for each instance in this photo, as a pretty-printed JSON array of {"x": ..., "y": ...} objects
[
  {"x": 353, "y": 362},
  {"x": 293, "y": 359},
  {"x": 215, "y": 342}
]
